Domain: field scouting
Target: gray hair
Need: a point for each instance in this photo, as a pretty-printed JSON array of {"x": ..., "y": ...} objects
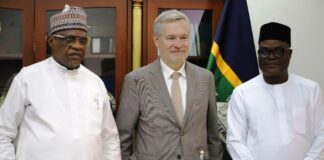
[{"x": 168, "y": 16}]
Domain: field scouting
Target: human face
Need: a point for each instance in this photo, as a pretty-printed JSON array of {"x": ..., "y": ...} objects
[
  {"x": 67, "y": 52},
  {"x": 274, "y": 67},
  {"x": 173, "y": 43}
]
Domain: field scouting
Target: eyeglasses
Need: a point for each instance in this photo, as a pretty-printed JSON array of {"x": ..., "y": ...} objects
[
  {"x": 71, "y": 39},
  {"x": 276, "y": 52}
]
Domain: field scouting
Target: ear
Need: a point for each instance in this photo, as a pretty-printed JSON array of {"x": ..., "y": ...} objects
[
  {"x": 50, "y": 41},
  {"x": 156, "y": 41},
  {"x": 289, "y": 53}
]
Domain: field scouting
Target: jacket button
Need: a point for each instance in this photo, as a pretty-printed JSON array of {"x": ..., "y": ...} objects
[{"x": 178, "y": 156}]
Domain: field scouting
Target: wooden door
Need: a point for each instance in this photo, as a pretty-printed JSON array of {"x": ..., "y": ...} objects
[{"x": 16, "y": 38}]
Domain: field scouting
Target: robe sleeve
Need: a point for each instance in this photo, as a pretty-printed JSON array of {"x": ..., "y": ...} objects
[
  {"x": 11, "y": 114},
  {"x": 237, "y": 124},
  {"x": 317, "y": 149}
]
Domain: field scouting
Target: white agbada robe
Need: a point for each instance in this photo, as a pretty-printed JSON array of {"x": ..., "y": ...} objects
[
  {"x": 276, "y": 122},
  {"x": 57, "y": 114}
]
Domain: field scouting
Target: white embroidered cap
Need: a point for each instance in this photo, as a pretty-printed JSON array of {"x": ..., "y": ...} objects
[{"x": 71, "y": 17}]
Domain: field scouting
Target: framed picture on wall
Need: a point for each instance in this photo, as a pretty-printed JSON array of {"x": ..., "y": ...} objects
[{"x": 102, "y": 45}]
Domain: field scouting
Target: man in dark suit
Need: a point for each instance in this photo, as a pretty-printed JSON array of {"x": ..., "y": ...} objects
[{"x": 170, "y": 103}]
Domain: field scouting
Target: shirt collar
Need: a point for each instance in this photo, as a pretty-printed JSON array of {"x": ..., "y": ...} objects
[
  {"x": 62, "y": 68},
  {"x": 168, "y": 71},
  {"x": 276, "y": 85}
]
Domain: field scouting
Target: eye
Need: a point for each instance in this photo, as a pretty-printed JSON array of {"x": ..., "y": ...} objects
[
  {"x": 70, "y": 39},
  {"x": 83, "y": 40},
  {"x": 281, "y": 50},
  {"x": 262, "y": 51},
  {"x": 184, "y": 38},
  {"x": 170, "y": 38}
]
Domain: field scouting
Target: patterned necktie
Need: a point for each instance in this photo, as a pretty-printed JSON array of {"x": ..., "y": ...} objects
[{"x": 176, "y": 95}]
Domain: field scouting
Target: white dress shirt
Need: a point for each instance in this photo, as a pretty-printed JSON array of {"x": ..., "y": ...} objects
[
  {"x": 276, "y": 122},
  {"x": 52, "y": 113},
  {"x": 167, "y": 72}
]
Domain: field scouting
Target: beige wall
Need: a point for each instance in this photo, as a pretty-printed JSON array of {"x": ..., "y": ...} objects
[{"x": 305, "y": 17}]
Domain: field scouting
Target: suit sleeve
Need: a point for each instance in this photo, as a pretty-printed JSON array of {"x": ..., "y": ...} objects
[
  {"x": 127, "y": 115},
  {"x": 214, "y": 143},
  {"x": 11, "y": 115},
  {"x": 237, "y": 126}
]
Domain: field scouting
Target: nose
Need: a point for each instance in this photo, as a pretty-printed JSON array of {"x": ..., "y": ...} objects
[
  {"x": 77, "y": 44},
  {"x": 178, "y": 43},
  {"x": 271, "y": 55}
]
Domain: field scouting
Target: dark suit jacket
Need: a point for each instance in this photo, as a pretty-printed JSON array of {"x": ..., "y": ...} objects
[{"x": 146, "y": 107}]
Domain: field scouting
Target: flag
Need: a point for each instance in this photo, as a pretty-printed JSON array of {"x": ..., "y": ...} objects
[{"x": 233, "y": 57}]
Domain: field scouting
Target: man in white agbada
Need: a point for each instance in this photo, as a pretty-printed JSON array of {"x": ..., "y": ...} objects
[
  {"x": 57, "y": 109},
  {"x": 276, "y": 115}
]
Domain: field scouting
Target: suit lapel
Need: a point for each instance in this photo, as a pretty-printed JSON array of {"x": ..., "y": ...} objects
[
  {"x": 158, "y": 82},
  {"x": 191, "y": 90}
]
